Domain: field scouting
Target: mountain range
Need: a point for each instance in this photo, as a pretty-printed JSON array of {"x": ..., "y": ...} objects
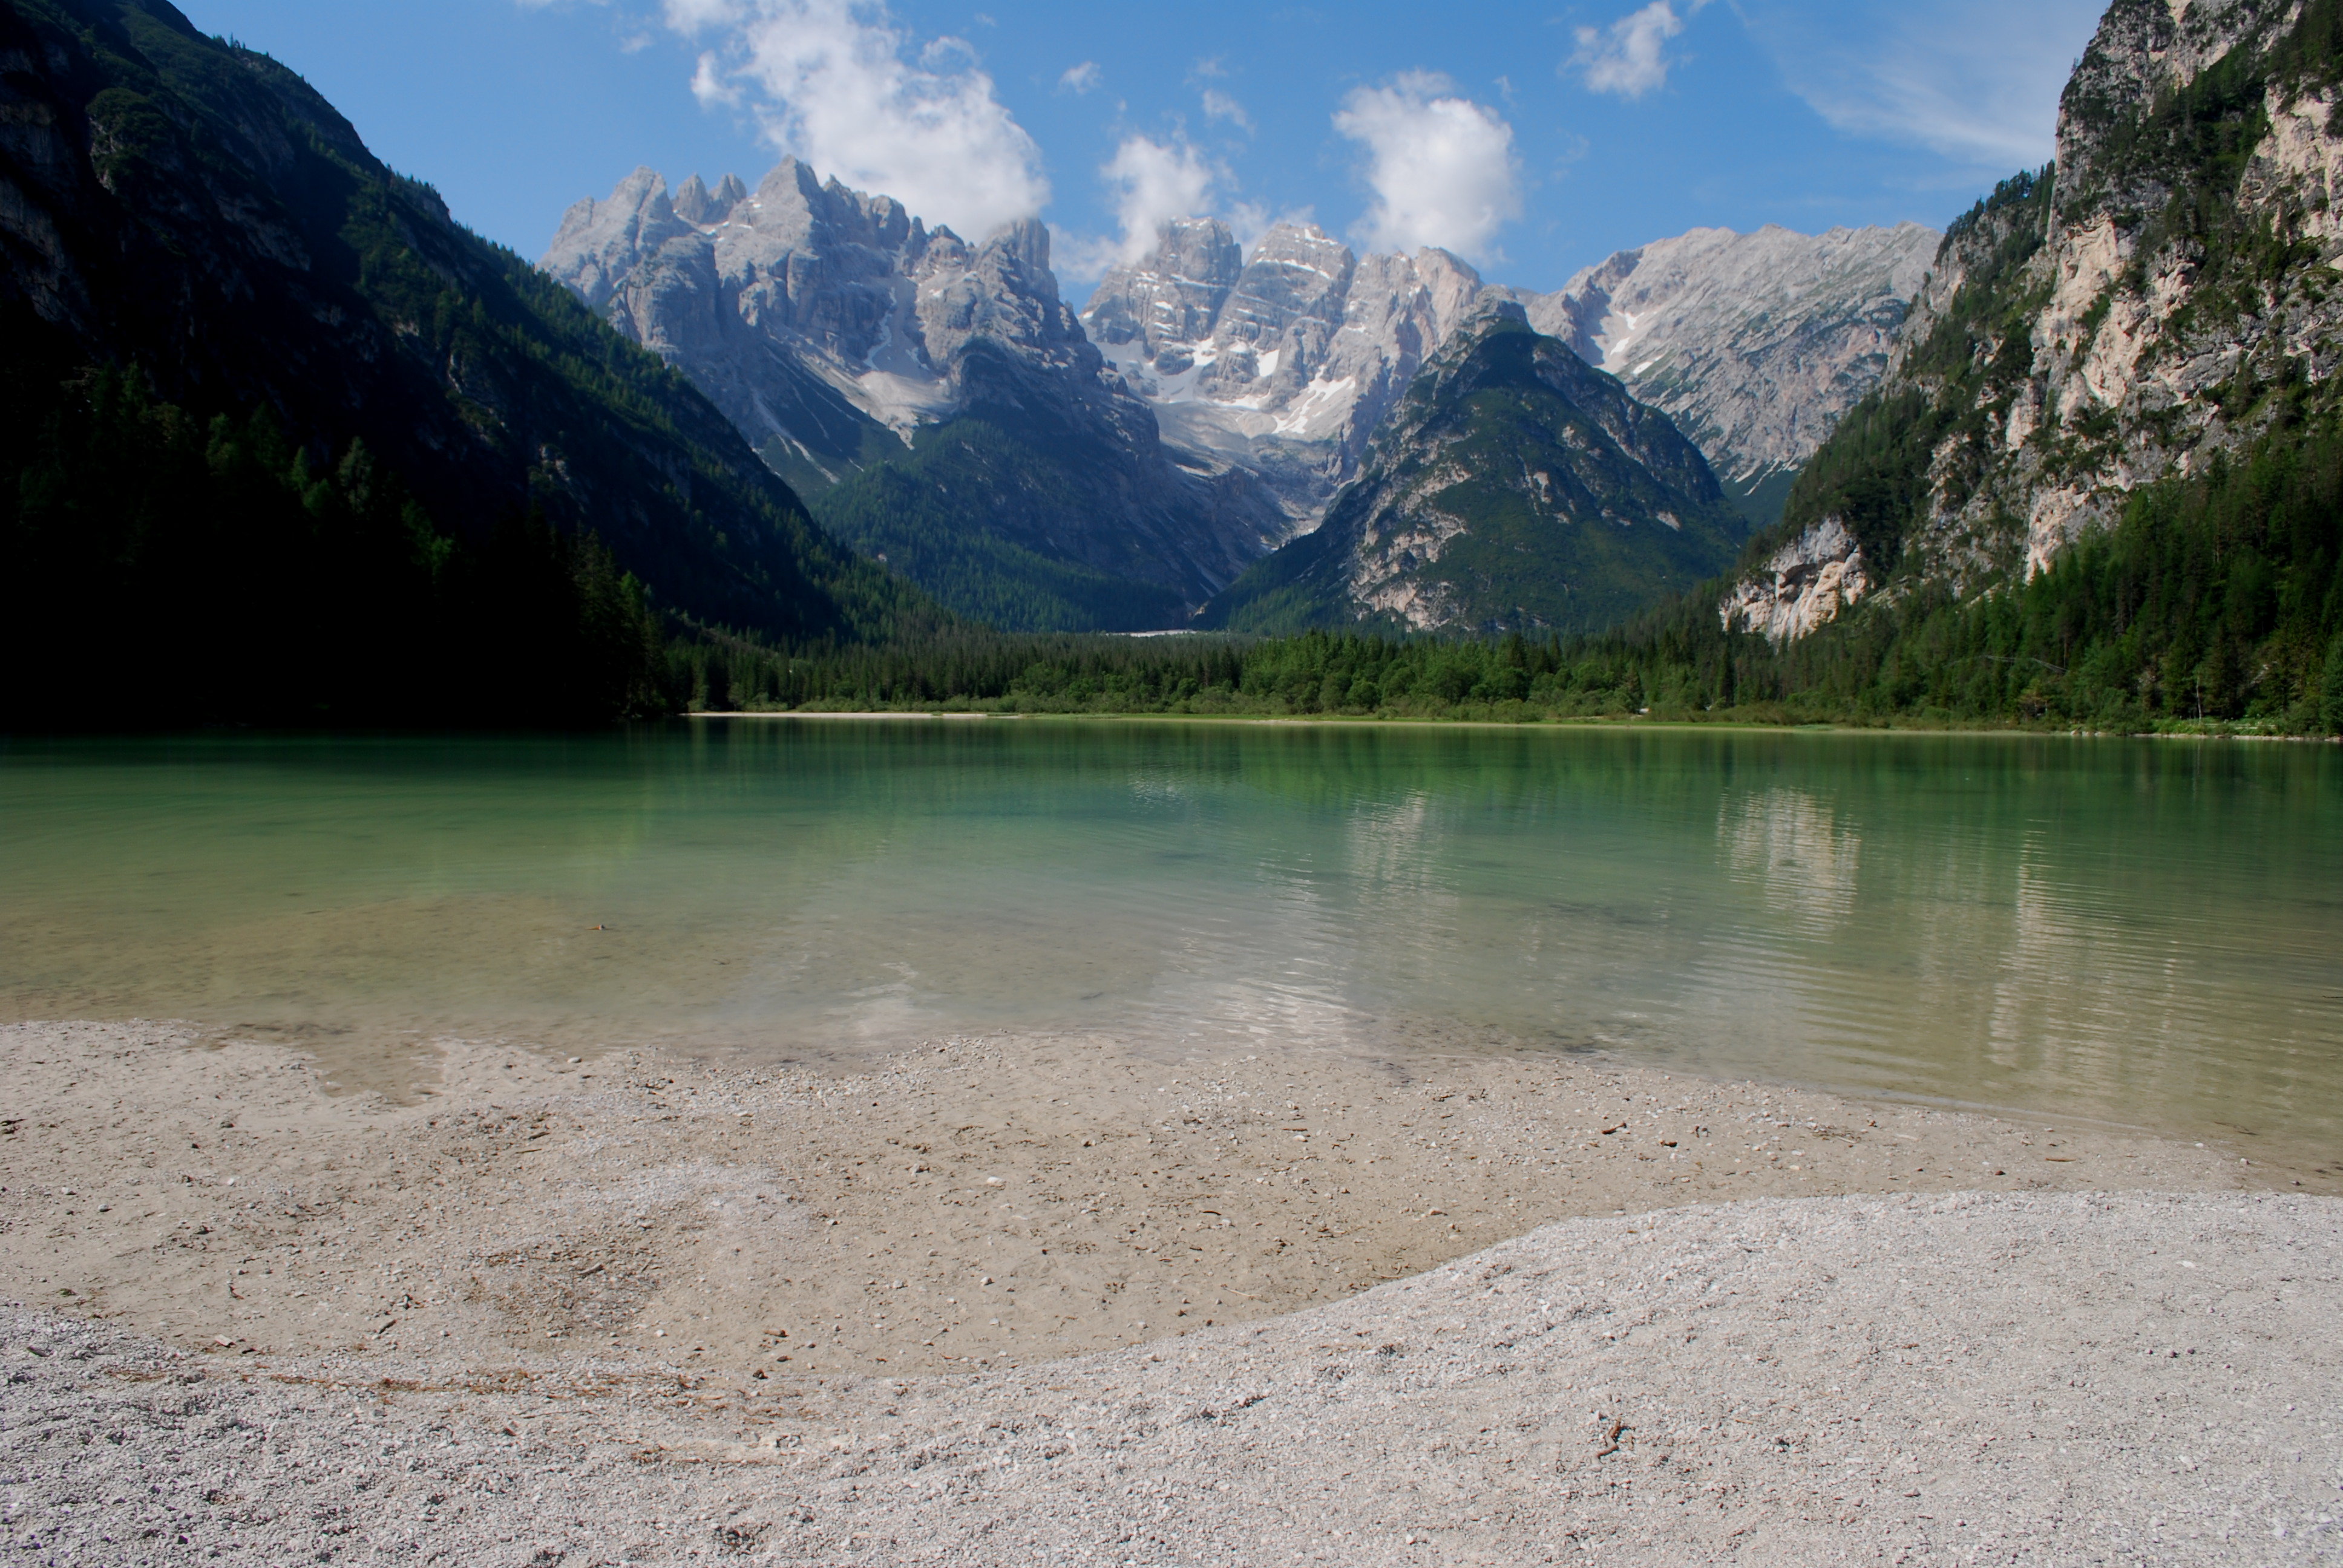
[
  {"x": 1514, "y": 487},
  {"x": 306, "y": 448},
  {"x": 936, "y": 400},
  {"x": 943, "y": 408}
]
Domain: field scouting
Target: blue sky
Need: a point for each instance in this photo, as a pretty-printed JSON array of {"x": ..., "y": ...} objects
[{"x": 1534, "y": 139}]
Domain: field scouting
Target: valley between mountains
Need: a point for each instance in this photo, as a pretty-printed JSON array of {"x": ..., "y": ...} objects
[
  {"x": 940, "y": 405},
  {"x": 1005, "y": 1143},
  {"x": 324, "y": 456}
]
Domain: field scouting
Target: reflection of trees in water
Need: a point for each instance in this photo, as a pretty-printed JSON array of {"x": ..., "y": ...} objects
[
  {"x": 2090, "y": 993},
  {"x": 1792, "y": 846}
]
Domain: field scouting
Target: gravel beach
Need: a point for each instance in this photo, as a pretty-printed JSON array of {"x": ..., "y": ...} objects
[{"x": 1121, "y": 1309}]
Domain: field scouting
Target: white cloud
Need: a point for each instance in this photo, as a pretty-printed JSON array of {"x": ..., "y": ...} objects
[
  {"x": 1155, "y": 182},
  {"x": 708, "y": 85},
  {"x": 1219, "y": 105},
  {"x": 1629, "y": 56},
  {"x": 837, "y": 83},
  {"x": 1441, "y": 166},
  {"x": 1976, "y": 79},
  {"x": 1081, "y": 79}
]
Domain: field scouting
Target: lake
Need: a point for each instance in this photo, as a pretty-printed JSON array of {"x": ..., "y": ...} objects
[{"x": 2148, "y": 933}]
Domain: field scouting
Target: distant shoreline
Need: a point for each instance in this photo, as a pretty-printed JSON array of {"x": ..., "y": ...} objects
[{"x": 1361, "y": 721}]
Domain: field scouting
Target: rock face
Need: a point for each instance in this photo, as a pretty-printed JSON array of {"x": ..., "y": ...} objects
[
  {"x": 1754, "y": 344},
  {"x": 2157, "y": 300},
  {"x": 1802, "y": 585},
  {"x": 1281, "y": 365},
  {"x": 1514, "y": 487},
  {"x": 844, "y": 337}
]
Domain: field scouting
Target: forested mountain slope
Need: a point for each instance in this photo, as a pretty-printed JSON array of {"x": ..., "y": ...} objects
[
  {"x": 1514, "y": 487},
  {"x": 2104, "y": 473},
  {"x": 283, "y": 440}
]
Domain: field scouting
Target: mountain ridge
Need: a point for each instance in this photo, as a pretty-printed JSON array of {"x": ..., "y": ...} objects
[
  {"x": 195, "y": 211},
  {"x": 1515, "y": 488},
  {"x": 859, "y": 349}
]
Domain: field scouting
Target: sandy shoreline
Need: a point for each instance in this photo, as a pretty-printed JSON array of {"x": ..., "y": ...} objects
[{"x": 629, "y": 1232}]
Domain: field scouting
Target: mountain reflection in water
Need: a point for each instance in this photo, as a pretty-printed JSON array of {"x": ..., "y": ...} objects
[{"x": 2145, "y": 932}]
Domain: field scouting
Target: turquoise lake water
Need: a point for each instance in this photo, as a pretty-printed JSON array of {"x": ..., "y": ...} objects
[{"x": 2148, "y": 933}]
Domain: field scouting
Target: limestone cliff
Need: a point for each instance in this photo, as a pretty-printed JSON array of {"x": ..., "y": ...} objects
[{"x": 2159, "y": 299}]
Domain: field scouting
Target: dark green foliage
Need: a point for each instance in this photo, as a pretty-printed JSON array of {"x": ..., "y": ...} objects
[
  {"x": 2330, "y": 702},
  {"x": 922, "y": 512},
  {"x": 1760, "y": 500},
  {"x": 195, "y": 210},
  {"x": 2216, "y": 600},
  {"x": 195, "y": 571}
]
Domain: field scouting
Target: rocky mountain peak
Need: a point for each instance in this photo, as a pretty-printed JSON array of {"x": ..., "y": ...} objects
[
  {"x": 1297, "y": 273},
  {"x": 1175, "y": 295},
  {"x": 1281, "y": 362},
  {"x": 696, "y": 204},
  {"x": 600, "y": 242},
  {"x": 1754, "y": 343},
  {"x": 853, "y": 282},
  {"x": 854, "y": 343}
]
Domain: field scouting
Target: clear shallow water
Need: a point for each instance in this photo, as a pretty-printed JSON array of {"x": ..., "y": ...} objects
[{"x": 2148, "y": 933}]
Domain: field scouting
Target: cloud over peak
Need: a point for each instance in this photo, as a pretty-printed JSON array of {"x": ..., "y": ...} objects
[
  {"x": 839, "y": 84},
  {"x": 1629, "y": 57},
  {"x": 1441, "y": 166}
]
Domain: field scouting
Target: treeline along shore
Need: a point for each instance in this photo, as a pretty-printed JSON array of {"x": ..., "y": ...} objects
[
  {"x": 2215, "y": 604},
  {"x": 184, "y": 558}
]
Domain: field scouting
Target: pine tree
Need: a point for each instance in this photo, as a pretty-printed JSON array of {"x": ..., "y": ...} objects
[{"x": 2330, "y": 709}]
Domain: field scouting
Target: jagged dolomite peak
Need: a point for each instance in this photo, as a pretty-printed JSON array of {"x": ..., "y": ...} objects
[
  {"x": 1754, "y": 344},
  {"x": 1805, "y": 584},
  {"x": 1284, "y": 363},
  {"x": 839, "y": 333},
  {"x": 848, "y": 286}
]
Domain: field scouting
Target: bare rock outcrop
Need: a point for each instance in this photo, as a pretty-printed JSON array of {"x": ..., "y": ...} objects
[
  {"x": 1285, "y": 363},
  {"x": 1804, "y": 585},
  {"x": 1754, "y": 344}
]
